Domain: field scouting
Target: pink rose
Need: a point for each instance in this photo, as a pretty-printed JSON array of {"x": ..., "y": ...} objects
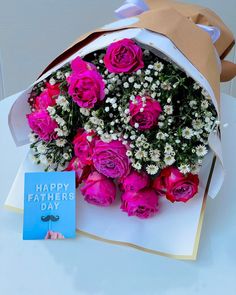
[
  {"x": 148, "y": 117},
  {"x": 79, "y": 66},
  {"x": 110, "y": 159},
  {"x": 142, "y": 204},
  {"x": 51, "y": 235},
  {"x": 42, "y": 124},
  {"x": 53, "y": 90},
  {"x": 99, "y": 190},
  {"x": 135, "y": 181},
  {"x": 158, "y": 185},
  {"x": 86, "y": 88},
  {"x": 81, "y": 171},
  {"x": 179, "y": 188},
  {"x": 47, "y": 97},
  {"x": 83, "y": 148},
  {"x": 123, "y": 56}
]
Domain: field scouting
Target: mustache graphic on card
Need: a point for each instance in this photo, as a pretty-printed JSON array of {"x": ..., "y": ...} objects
[{"x": 50, "y": 218}]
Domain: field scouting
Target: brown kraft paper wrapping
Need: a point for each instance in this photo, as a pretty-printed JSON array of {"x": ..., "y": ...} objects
[{"x": 177, "y": 21}]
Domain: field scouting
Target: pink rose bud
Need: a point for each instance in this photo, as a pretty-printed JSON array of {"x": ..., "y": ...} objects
[
  {"x": 47, "y": 97},
  {"x": 83, "y": 146},
  {"x": 179, "y": 188},
  {"x": 123, "y": 56},
  {"x": 135, "y": 181},
  {"x": 86, "y": 88},
  {"x": 110, "y": 159},
  {"x": 144, "y": 114},
  {"x": 81, "y": 171},
  {"x": 42, "y": 124},
  {"x": 143, "y": 204},
  {"x": 99, "y": 190},
  {"x": 79, "y": 66}
]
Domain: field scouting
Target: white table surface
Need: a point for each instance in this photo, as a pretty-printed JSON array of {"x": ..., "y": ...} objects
[{"x": 84, "y": 266}]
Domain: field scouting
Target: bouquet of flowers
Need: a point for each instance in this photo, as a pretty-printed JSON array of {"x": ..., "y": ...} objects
[{"x": 123, "y": 119}]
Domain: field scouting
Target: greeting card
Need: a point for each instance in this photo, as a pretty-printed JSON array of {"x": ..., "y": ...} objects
[{"x": 49, "y": 205}]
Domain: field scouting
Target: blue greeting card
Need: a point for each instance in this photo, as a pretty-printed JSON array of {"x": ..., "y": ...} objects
[{"x": 49, "y": 205}]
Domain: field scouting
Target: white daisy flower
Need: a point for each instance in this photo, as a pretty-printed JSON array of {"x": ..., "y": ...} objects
[
  {"x": 153, "y": 87},
  {"x": 51, "y": 110},
  {"x": 187, "y": 133},
  {"x": 85, "y": 112},
  {"x": 169, "y": 160},
  {"x": 161, "y": 135},
  {"x": 158, "y": 66},
  {"x": 197, "y": 124},
  {"x": 126, "y": 85},
  {"x": 201, "y": 150},
  {"x": 140, "y": 154},
  {"x": 129, "y": 153},
  {"x": 59, "y": 132},
  {"x": 106, "y": 137},
  {"x": 137, "y": 86},
  {"x": 132, "y": 137},
  {"x": 166, "y": 86},
  {"x": 146, "y": 145},
  {"x": 184, "y": 168},
  {"x": 60, "y": 142},
  {"x": 95, "y": 120},
  {"x": 60, "y": 121},
  {"x": 168, "y": 109},
  {"x": 169, "y": 149},
  {"x": 152, "y": 169},
  {"x": 192, "y": 103},
  {"x": 131, "y": 79},
  {"x": 137, "y": 166},
  {"x": 155, "y": 155}
]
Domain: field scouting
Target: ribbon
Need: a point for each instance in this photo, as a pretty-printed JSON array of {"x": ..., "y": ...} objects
[
  {"x": 135, "y": 7},
  {"x": 131, "y": 8},
  {"x": 214, "y": 32}
]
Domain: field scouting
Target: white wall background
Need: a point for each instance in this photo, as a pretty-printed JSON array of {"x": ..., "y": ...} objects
[{"x": 33, "y": 32}]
